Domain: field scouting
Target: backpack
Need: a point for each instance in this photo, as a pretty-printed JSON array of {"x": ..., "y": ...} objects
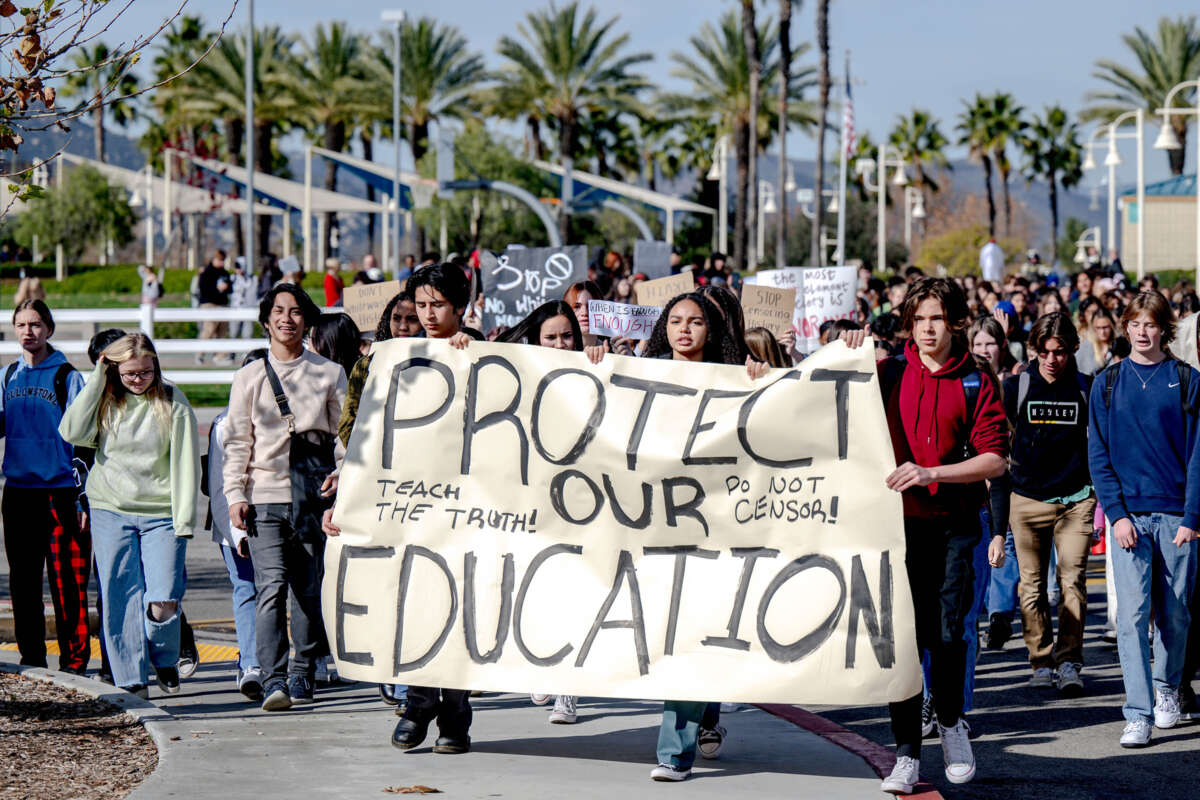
[
  {"x": 1182, "y": 370},
  {"x": 60, "y": 382},
  {"x": 1023, "y": 381},
  {"x": 893, "y": 372}
]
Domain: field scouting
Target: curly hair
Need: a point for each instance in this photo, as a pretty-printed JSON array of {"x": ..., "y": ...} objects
[
  {"x": 719, "y": 347},
  {"x": 383, "y": 331},
  {"x": 735, "y": 320}
]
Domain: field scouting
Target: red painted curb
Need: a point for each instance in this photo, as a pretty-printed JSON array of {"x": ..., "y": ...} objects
[{"x": 878, "y": 757}]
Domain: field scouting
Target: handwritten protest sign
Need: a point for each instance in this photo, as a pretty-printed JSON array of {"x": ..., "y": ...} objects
[
  {"x": 652, "y": 259},
  {"x": 516, "y": 518},
  {"x": 658, "y": 292},
  {"x": 364, "y": 302},
  {"x": 524, "y": 278},
  {"x": 822, "y": 293},
  {"x": 768, "y": 308},
  {"x": 621, "y": 319}
]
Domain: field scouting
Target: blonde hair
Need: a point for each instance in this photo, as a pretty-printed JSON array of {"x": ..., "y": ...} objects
[{"x": 112, "y": 402}]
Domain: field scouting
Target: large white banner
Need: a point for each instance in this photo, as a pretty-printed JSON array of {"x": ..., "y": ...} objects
[{"x": 514, "y": 518}]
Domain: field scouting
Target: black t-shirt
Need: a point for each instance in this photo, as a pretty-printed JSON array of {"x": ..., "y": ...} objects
[
  {"x": 210, "y": 276},
  {"x": 1049, "y": 454}
]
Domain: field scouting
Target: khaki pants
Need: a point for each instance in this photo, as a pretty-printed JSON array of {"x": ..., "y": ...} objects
[
  {"x": 1035, "y": 526},
  {"x": 211, "y": 329}
]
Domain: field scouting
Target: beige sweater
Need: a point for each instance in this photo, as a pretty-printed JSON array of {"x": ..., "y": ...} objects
[{"x": 257, "y": 445}]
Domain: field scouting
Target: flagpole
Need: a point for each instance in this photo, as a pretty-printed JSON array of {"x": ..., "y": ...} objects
[{"x": 841, "y": 217}]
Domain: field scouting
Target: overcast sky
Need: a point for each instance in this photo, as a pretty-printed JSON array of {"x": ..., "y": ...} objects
[{"x": 905, "y": 53}]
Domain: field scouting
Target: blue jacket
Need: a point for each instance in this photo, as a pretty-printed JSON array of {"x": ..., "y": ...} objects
[
  {"x": 35, "y": 456},
  {"x": 1142, "y": 451}
]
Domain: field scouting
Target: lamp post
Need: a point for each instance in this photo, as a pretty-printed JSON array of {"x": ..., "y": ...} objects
[
  {"x": 396, "y": 17},
  {"x": 914, "y": 208},
  {"x": 719, "y": 172},
  {"x": 1112, "y": 160},
  {"x": 1167, "y": 140},
  {"x": 1090, "y": 238},
  {"x": 766, "y": 205},
  {"x": 249, "y": 254},
  {"x": 900, "y": 178}
]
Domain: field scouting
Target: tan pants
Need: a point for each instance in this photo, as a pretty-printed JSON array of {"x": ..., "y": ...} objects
[
  {"x": 211, "y": 329},
  {"x": 1035, "y": 526}
]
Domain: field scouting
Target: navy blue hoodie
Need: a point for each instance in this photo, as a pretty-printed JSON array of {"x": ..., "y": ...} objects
[{"x": 35, "y": 456}]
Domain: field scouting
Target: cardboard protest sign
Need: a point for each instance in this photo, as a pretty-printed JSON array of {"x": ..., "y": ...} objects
[
  {"x": 765, "y": 307},
  {"x": 516, "y": 518},
  {"x": 364, "y": 302},
  {"x": 652, "y": 259},
  {"x": 621, "y": 319},
  {"x": 822, "y": 293},
  {"x": 659, "y": 292},
  {"x": 522, "y": 279}
]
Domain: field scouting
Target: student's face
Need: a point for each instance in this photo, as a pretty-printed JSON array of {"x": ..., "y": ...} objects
[
  {"x": 1051, "y": 304},
  {"x": 1053, "y": 358},
  {"x": 986, "y": 346},
  {"x": 896, "y": 295},
  {"x": 285, "y": 323},
  {"x": 404, "y": 322},
  {"x": 137, "y": 374},
  {"x": 931, "y": 332},
  {"x": 579, "y": 306},
  {"x": 438, "y": 315},
  {"x": 687, "y": 330},
  {"x": 556, "y": 333},
  {"x": 1084, "y": 284},
  {"x": 1018, "y": 301},
  {"x": 1102, "y": 329},
  {"x": 1144, "y": 335},
  {"x": 32, "y": 331}
]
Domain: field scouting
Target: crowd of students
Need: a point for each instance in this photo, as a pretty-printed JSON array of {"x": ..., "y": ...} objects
[{"x": 1029, "y": 421}]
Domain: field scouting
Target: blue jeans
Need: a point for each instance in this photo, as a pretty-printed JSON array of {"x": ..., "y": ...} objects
[
  {"x": 680, "y": 729},
  {"x": 140, "y": 561},
  {"x": 241, "y": 575},
  {"x": 1002, "y": 587},
  {"x": 1153, "y": 574}
]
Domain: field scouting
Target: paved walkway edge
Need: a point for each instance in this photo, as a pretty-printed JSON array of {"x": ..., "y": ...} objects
[
  {"x": 158, "y": 723},
  {"x": 878, "y": 757}
]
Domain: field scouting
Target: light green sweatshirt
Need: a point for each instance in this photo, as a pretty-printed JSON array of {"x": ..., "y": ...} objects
[{"x": 142, "y": 466}]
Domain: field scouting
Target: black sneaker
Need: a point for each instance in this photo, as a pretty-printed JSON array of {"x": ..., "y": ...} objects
[
  {"x": 275, "y": 696},
  {"x": 250, "y": 683},
  {"x": 189, "y": 661},
  {"x": 710, "y": 741},
  {"x": 139, "y": 690},
  {"x": 300, "y": 687},
  {"x": 1188, "y": 707},
  {"x": 387, "y": 693},
  {"x": 999, "y": 631},
  {"x": 168, "y": 679},
  {"x": 928, "y": 723}
]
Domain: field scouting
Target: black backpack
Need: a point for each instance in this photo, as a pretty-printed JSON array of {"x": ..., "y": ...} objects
[
  {"x": 893, "y": 372},
  {"x": 60, "y": 382},
  {"x": 1182, "y": 369}
]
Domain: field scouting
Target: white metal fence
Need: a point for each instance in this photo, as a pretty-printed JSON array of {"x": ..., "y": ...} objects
[{"x": 144, "y": 317}]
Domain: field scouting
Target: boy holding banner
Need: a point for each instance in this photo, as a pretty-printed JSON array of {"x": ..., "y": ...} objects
[{"x": 949, "y": 433}]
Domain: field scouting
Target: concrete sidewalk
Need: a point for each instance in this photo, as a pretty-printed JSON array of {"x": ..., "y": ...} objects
[{"x": 340, "y": 748}]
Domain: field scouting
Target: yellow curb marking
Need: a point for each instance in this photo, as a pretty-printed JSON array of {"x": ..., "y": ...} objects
[{"x": 209, "y": 653}]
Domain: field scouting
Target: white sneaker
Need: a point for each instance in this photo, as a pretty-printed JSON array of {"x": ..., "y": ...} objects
[
  {"x": 905, "y": 775},
  {"x": 1043, "y": 678},
  {"x": 1069, "y": 682},
  {"x": 564, "y": 710},
  {"x": 1166, "y": 708},
  {"x": 1136, "y": 734},
  {"x": 540, "y": 699},
  {"x": 710, "y": 741},
  {"x": 956, "y": 751},
  {"x": 666, "y": 772}
]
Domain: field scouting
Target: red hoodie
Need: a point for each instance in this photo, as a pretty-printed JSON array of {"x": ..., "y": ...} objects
[{"x": 927, "y": 417}]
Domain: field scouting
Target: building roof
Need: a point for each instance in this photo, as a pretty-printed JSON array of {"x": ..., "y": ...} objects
[
  {"x": 379, "y": 176},
  {"x": 286, "y": 194},
  {"x": 1175, "y": 186},
  {"x": 596, "y": 187}
]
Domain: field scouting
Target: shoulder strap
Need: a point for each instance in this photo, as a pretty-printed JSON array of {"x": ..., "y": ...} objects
[
  {"x": 970, "y": 383},
  {"x": 1083, "y": 386},
  {"x": 893, "y": 373},
  {"x": 1110, "y": 382},
  {"x": 60, "y": 385},
  {"x": 12, "y": 368},
  {"x": 1184, "y": 371},
  {"x": 1023, "y": 381},
  {"x": 281, "y": 400}
]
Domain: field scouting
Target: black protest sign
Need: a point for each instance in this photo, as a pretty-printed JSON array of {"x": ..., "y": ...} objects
[
  {"x": 523, "y": 279},
  {"x": 652, "y": 259}
]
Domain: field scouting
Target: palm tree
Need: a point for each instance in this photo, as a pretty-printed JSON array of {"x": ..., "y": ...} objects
[
  {"x": 1168, "y": 58},
  {"x": 568, "y": 63},
  {"x": 816, "y": 252},
  {"x": 330, "y": 85},
  {"x": 975, "y": 125},
  {"x": 1008, "y": 123},
  {"x": 1053, "y": 154},
  {"x": 215, "y": 90},
  {"x": 716, "y": 65},
  {"x": 754, "y": 64},
  {"x": 785, "y": 77},
  {"x": 102, "y": 87},
  {"x": 921, "y": 143},
  {"x": 177, "y": 50}
]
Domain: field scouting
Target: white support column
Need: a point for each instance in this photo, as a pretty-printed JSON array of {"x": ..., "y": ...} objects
[
  {"x": 306, "y": 224},
  {"x": 60, "y": 263},
  {"x": 149, "y": 216},
  {"x": 167, "y": 198},
  {"x": 386, "y": 241},
  {"x": 1141, "y": 194},
  {"x": 670, "y": 226},
  {"x": 287, "y": 232},
  {"x": 443, "y": 236},
  {"x": 193, "y": 243},
  {"x": 146, "y": 319},
  {"x": 320, "y": 244}
]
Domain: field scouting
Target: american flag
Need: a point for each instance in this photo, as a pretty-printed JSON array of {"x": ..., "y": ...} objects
[{"x": 848, "y": 138}]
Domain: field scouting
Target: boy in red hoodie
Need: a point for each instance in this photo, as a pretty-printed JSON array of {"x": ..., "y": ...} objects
[{"x": 949, "y": 433}]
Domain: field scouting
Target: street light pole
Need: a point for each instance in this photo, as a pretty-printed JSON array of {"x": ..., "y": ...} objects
[
  {"x": 1168, "y": 141},
  {"x": 396, "y": 17},
  {"x": 249, "y": 254},
  {"x": 718, "y": 173}
]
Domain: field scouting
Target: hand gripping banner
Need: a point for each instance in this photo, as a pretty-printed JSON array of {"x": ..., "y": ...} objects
[{"x": 514, "y": 518}]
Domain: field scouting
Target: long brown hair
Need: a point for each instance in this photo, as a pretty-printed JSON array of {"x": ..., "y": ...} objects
[
  {"x": 112, "y": 402},
  {"x": 765, "y": 347}
]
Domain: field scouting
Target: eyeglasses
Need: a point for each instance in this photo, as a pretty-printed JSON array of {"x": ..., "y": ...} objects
[{"x": 144, "y": 375}]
